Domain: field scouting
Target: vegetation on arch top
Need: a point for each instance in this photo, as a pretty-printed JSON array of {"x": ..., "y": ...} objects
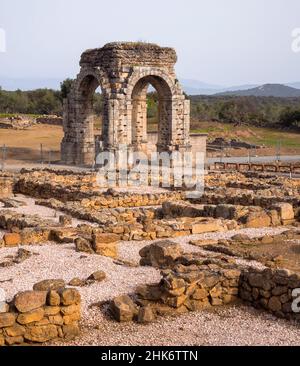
[{"x": 130, "y": 54}]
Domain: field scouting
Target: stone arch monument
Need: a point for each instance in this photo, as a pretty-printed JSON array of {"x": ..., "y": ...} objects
[{"x": 124, "y": 71}]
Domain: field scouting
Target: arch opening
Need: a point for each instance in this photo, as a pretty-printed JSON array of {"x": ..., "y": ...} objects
[{"x": 151, "y": 92}]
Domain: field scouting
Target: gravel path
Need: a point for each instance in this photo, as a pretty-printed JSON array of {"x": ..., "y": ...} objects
[{"x": 46, "y": 213}]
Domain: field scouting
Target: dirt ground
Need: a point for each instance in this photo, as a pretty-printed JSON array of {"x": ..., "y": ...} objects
[
  {"x": 25, "y": 145},
  {"x": 286, "y": 253}
]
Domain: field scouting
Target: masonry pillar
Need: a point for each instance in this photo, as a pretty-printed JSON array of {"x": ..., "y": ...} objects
[
  {"x": 68, "y": 144},
  {"x": 139, "y": 124}
]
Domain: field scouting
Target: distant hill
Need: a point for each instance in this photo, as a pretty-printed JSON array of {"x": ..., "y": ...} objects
[
  {"x": 196, "y": 87},
  {"x": 266, "y": 90}
]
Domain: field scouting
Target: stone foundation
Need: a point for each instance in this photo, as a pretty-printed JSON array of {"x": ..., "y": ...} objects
[
  {"x": 192, "y": 282},
  {"x": 40, "y": 316},
  {"x": 189, "y": 283},
  {"x": 67, "y": 186},
  {"x": 50, "y": 120},
  {"x": 270, "y": 290},
  {"x": 281, "y": 213}
]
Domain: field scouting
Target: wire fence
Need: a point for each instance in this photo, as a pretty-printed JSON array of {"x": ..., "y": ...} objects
[
  {"x": 41, "y": 156},
  {"x": 224, "y": 150}
]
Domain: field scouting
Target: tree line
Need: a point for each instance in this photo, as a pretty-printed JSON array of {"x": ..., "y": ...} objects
[{"x": 250, "y": 110}]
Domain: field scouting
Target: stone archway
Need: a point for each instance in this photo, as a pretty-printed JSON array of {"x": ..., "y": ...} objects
[
  {"x": 139, "y": 113},
  {"x": 124, "y": 71}
]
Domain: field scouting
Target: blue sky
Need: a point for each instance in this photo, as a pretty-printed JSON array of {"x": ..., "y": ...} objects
[{"x": 225, "y": 42}]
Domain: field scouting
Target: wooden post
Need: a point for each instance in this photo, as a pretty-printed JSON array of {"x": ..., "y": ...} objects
[{"x": 42, "y": 154}]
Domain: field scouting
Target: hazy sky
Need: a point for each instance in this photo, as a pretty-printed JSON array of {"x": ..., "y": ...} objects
[{"x": 225, "y": 42}]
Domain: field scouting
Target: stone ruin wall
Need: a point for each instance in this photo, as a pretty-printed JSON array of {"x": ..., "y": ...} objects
[
  {"x": 127, "y": 216},
  {"x": 50, "y": 120},
  {"x": 191, "y": 282},
  {"x": 39, "y": 316},
  {"x": 24, "y": 122}
]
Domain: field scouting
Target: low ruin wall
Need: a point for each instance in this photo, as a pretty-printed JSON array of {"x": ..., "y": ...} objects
[
  {"x": 245, "y": 200},
  {"x": 40, "y": 316},
  {"x": 270, "y": 290},
  {"x": 74, "y": 188},
  {"x": 192, "y": 282},
  {"x": 280, "y": 213},
  {"x": 174, "y": 219},
  {"x": 50, "y": 120}
]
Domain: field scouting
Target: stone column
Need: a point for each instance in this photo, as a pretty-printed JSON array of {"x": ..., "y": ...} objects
[
  {"x": 68, "y": 144},
  {"x": 139, "y": 124},
  {"x": 113, "y": 122},
  {"x": 186, "y": 125},
  {"x": 85, "y": 144},
  {"x": 165, "y": 123}
]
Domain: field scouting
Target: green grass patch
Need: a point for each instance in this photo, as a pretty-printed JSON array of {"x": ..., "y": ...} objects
[{"x": 269, "y": 137}]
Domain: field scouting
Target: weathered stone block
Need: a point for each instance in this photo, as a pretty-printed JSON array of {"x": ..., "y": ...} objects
[
  {"x": 12, "y": 239},
  {"x": 30, "y": 300},
  {"x": 70, "y": 296},
  {"x": 51, "y": 284},
  {"x": 41, "y": 334},
  {"x": 31, "y": 316},
  {"x": 7, "y": 320},
  {"x": 123, "y": 308}
]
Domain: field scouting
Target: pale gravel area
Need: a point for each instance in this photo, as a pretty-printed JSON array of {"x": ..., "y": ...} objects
[
  {"x": 227, "y": 326},
  {"x": 46, "y": 213},
  {"x": 62, "y": 261},
  {"x": 238, "y": 325}
]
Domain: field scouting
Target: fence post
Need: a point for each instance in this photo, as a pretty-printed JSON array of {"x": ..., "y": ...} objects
[
  {"x": 278, "y": 150},
  {"x": 42, "y": 154},
  {"x": 222, "y": 152},
  {"x": 3, "y": 156}
]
